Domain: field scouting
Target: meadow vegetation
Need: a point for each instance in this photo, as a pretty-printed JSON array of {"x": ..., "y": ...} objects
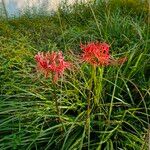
[{"x": 119, "y": 112}]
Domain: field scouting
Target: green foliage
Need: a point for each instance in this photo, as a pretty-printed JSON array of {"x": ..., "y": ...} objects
[{"x": 28, "y": 116}]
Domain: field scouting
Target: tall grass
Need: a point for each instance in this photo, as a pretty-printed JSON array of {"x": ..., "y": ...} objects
[{"x": 29, "y": 119}]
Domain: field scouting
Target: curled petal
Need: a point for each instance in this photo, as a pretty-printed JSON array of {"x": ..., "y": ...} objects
[{"x": 122, "y": 60}]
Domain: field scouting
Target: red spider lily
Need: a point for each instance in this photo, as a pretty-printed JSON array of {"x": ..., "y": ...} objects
[
  {"x": 51, "y": 63},
  {"x": 96, "y": 53}
]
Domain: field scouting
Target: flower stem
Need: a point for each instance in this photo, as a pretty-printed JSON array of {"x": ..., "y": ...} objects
[
  {"x": 56, "y": 102},
  {"x": 89, "y": 98},
  {"x": 99, "y": 89},
  {"x": 58, "y": 111},
  {"x": 88, "y": 118},
  {"x": 100, "y": 85}
]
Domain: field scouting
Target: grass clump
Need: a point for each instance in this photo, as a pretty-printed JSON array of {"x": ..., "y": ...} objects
[{"x": 117, "y": 96}]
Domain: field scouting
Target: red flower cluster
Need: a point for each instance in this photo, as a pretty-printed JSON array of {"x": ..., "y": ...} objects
[
  {"x": 51, "y": 63},
  {"x": 96, "y": 53}
]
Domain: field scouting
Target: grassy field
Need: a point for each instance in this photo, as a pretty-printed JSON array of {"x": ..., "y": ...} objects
[{"x": 115, "y": 116}]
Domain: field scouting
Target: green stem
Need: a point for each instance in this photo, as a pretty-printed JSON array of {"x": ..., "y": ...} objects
[
  {"x": 90, "y": 94},
  {"x": 88, "y": 118},
  {"x": 98, "y": 86},
  {"x": 56, "y": 102},
  {"x": 58, "y": 111},
  {"x": 95, "y": 95},
  {"x": 98, "y": 91}
]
